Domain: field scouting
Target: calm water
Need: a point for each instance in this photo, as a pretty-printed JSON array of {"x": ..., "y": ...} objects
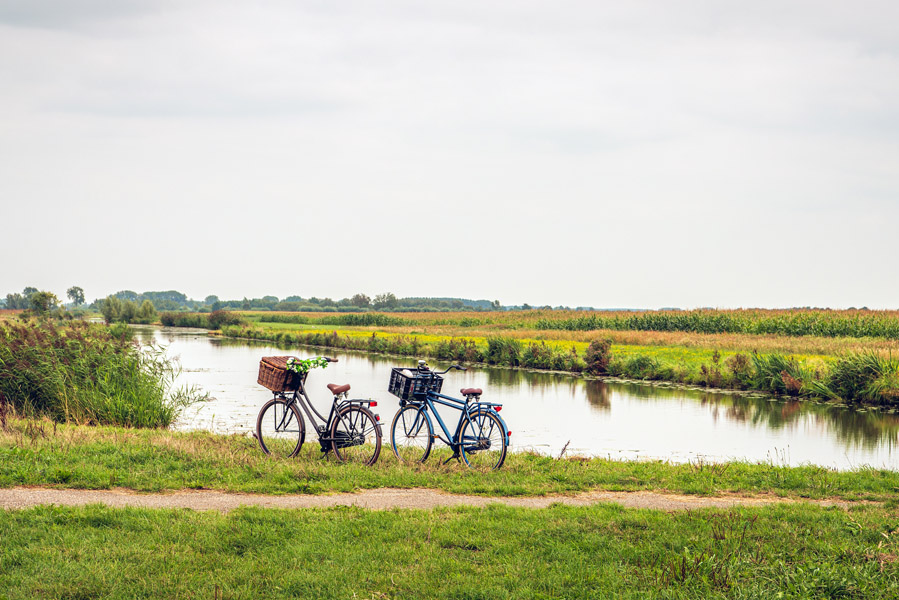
[{"x": 546, "y": 410}]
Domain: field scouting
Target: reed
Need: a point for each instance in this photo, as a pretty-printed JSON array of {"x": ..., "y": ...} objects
[
  {"x": 860, "y": 376},
  {"x": 84, "y": 373}
]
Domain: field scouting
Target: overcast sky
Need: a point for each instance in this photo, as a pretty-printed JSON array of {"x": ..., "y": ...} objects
[{"x": 614, "y": 154}]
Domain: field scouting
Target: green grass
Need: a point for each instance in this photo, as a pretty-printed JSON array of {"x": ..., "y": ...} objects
[
  {"x": 601, "y": 551},
  {"x": 43, "y": 454}
]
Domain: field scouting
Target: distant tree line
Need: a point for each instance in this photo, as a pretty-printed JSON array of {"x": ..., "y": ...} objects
[
  {"x": 42, "y": 303},
  {"x": 131, "y": 306}
]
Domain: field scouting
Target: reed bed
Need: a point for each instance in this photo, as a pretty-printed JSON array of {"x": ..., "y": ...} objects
[{"x": 86, "y": 373}]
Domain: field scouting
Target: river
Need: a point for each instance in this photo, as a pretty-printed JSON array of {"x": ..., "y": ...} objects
[{"x": 546, "y": 411}]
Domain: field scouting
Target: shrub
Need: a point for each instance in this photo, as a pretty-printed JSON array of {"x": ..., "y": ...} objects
[
  {"x": 217, "y": 318},
  {"x": 641, "y": 367},
  {"x": 503, "y": 351},
  {"x": 741, "y": 368},
  {"x": 598, "y": 355}
]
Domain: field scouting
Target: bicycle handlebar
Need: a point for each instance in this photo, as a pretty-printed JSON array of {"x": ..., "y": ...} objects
[{"x": 459, "y": 367}]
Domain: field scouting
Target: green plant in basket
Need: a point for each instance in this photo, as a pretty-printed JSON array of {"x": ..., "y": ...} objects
[{"x": 303, "y": 365}]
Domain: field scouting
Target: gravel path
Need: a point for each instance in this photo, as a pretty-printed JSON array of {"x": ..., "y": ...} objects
[{"x": 376, "y": 499}]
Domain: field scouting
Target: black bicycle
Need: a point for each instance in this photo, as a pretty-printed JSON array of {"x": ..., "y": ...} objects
[
  {"x": 481, "y": 437},
  {"x": 351, "y": 430}
]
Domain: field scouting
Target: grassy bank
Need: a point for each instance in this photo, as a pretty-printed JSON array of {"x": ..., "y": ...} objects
[
  {"x": 41, "y": 453},
  {"x": 498, "y": 552},
  {"x": 86, "y": 373},
  {"x": 863, "y": 377}
]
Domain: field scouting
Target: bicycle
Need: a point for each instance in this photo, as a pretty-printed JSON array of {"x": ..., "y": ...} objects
[
  {"x": 351, "y": 430},
  {"x": 481, "y": 437}
]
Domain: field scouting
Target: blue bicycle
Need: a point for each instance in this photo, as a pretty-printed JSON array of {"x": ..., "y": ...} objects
[{"x": 480, "y": 438}]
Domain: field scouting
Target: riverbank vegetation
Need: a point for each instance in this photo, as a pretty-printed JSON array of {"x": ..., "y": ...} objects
[
  {"x": 214, "y": 320},
  {"x": 602, "y": 551},
  {"x": 37, "y": 452},
  {"x": 86, "y": 373},
  {"x": 866, "y": 377},
  {"x": 115, "y": 310}
]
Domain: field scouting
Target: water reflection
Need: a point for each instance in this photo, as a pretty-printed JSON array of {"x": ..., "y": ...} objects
[{"x": 548, "y": 410}]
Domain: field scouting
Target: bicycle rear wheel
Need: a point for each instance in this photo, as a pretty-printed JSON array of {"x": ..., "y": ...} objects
[
  {"x": 483, "y": 441},
  {"x": 280, "y": 428},
  {"x": 356, "y": 436},
  {"x": 411, "y": 434}
]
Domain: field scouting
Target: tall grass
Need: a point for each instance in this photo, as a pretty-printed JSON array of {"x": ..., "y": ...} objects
[
  {"x": 83, "y": 373},
  {"x": 863, "y": 376}
]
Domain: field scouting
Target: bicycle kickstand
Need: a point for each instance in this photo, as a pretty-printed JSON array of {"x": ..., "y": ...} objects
[{"x": 456, "y": 456}]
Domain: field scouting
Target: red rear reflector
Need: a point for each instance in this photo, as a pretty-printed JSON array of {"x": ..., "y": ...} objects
[
  {"x": 497, "y": 408},
  {"x": 377, "y": 417},
  {"x": 373, "y": 403},
  {"x": 508, "y": 433}
]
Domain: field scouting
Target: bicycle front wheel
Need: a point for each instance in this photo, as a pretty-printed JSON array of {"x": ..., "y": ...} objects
[
  {"x": 280, "y": 428},
  {"x": 483, "y": 441},
  {"x": 411, "y": 434},
  {"x": 356, "y": 436}
]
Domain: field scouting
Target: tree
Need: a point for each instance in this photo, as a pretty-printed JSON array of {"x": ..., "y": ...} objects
[
  {"x": 127, "y": 295},
  {"x": 360, "y": 300},
  {"x": 76, "y": 295},
  {"x": 111, "y": 308},
  {"x": 496, "y": 305},
  {"x": 383, "y": 301},
  {"x": 43, "y": 302},
  {"x": 28, "y": 291},
  {"x": 128, "y": 313},
  {"x": 147, "y": 312},
  {"x": 16, "y": 301},
  {"x": 211, "y": 299}
]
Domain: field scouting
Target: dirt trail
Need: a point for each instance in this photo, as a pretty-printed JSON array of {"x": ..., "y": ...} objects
[{"x": 376, "y": 499}]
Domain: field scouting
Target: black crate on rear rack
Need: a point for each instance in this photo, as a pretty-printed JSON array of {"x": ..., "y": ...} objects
[{"x": 412, "y": 384}]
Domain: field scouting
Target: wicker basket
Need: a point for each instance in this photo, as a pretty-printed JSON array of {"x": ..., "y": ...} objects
[{"x": 274, "y": 375}]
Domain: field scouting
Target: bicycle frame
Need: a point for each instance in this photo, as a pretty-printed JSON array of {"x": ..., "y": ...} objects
[
  {"x": 301, "y": 397},
  {"x": 464, "y": 408}
]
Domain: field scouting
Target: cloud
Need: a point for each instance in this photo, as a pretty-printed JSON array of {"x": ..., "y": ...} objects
[{"x": 641, "y": 153}]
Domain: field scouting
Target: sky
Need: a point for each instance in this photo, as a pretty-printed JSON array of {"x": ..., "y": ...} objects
[{"x": 611, "y": 154}]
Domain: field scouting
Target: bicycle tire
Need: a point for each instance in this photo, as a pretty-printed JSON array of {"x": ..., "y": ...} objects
[
  {"x": 483, "y": 441},
  {"x": 353, "y": 432},
  {"x": 409, "y": 443},
  {"x": 280, "y": 429}
]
